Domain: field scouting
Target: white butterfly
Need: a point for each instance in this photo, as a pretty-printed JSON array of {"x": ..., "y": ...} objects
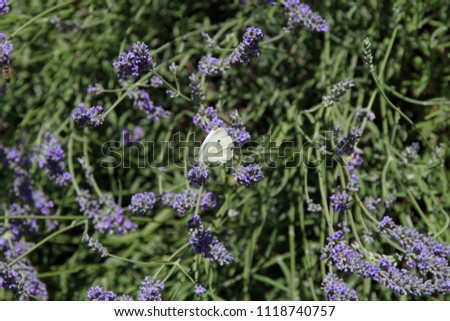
[{"x": 216, "y": 148}]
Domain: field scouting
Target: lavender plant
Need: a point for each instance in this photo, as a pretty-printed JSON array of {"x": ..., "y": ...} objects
[{"x": 102, "y": 119}]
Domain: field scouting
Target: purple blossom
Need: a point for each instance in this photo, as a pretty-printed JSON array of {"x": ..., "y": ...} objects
[
  {"x": 337, "y": 91},
  {"x": 370, "y": 202},
  {"x": 199, "y": 289},
  {"x": 156, "y": 82},
  {"x": 346, "y": 144},
  {"x": 248, "y": 175},
  {"x": 248, "y": 49},
  {"x": 97, "y": 293},
  {"x": 4, "y": 9},
  {"x": 96, "y": 89},
  {"x": 301, "y": 15},
  {"x": 207, "y": 119},
  {"x": 341, "y": 201},
  {"x": 50, "y": 156},
  {"x": 22, "y": 185},
  {"x": 271, "y": 2},
  {"x": 142, "y": 203},
  {"x": 6, "y": 49},
  {"x": 198, "y": 175},
  {"x": 135, "y": 62},
  {"x": 237, "y": 131},
  {"x": 362, "y": 113},
  {"x": 195, "y": 85},
  {"x": 206, "y": 244},
  {"x": 105, "y": 214},
  {"x": 211, "y": 66},
  {"x": 132, "y": 137},
  {"x": 336, "y": 289},
  {"x": 21, "y": 226},
  {"x": 187, "y": 200},
  {"x": 150, "y": 289},
  {"x": 88, "y": 117},
  {"x": 142, "y": 101}
]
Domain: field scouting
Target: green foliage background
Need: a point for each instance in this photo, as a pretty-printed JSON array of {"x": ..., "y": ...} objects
[{"x": 276, "y": 241}]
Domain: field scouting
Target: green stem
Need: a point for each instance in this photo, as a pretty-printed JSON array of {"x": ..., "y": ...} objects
[
  {"x": 37, "y": 245},
  {"x": 39, "y": 16}
]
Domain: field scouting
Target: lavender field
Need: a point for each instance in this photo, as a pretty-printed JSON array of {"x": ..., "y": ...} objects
[{"x": 224, "y": 150}]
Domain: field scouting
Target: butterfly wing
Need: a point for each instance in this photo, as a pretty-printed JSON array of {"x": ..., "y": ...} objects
[{"x": 217, "y": 147}]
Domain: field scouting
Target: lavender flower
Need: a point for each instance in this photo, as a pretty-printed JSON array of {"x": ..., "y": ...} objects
[
  {"x": 211, "y": 66},
  {"x": 198, "y": 175},
  {"x": 42, "y": 205},
  {"x": 142, "y": 101},
  {"x": 97, "y": 293},
  {"x": 271, "y": 2},
  {"x": 134, "y": 62},
  {"x": 248, "y": 49},
  {"x": 370, "y": 202},
  {"x": 88, "y": 117},
  {"x": 95, "y": 245},
  {"x": 142, "y": 203},
  {"x": 381, "y": 270},
  {"x": 248, "y": 175},
  {"x": 346, "y": 144},
  {"x": 340, "y": 201},
  {"x": 22, "y": 185},
  {"x": 362, "y": 113},
  {"x": 422, "y": 252},
  {"x": 4, "y": 9},
  {"x": 21, "y": 279},
  {"x": 156, "y": 82},
  {"x": 132, "y": 137},
  {"x": 197, "y": 95},
  {"x": 301, "y": 15},
  {"x": 150, "y": 289},
  {"x": 237, "y": 131},
  {"x": 21, "y": 226},
  {"x": 50, "y": 157},
  {"x": 336, "y": 289},
  {"x": 174, "y": 68},
  {"x": 199, "y": 289},
  {"x": 352, "y": 163},
  {"x": 207, "y": 119},
  {"x": 187, "y": 200},
  {"x": 206, "y": 244},
  {"x": 105, "y": 214},
  {"x": 96, "y": 89},
  {"x": 209, "y": 42},
  {"x": 6, "y": 49},
  {"x": 367, "y": 54},
  {"x": 337, "y": 91}
]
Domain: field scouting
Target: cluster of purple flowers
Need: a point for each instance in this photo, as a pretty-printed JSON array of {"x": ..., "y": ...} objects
[
  {"x": 198, "y": 175},
  {"x": 50, "y": 156},
  {"x": 385, "y": 271},
  {"x": 135, "y": 62},
  {"x": 205, "y": 243},
  {"x": 187, "y": 200},
  {"x": 346, "y": 144},
  {"x": 197, "y": 94},
  {"x": 207, "y": 119},
  {"x": 149, "y": 290},
  {"x": 4, "y": 8},
  {"x": 106, "y": 215},
  {"x": 199, "y": 289},
  {"x": 370, "y": 202},
  {"x": 142, "y": 101},
  {"x": 247, "y": 50},
  {"x": 156, "y": 82},
  {"x": 301, "y": 15},
  {"x": 341, "y": 201},
  {"x": 142, "y": 203},
  {"x": 248, "y": 175},
  {"x": 6, "y": 49},
  {"x": 336, "y": 289},
  {"x": 88, "y": 117},
  {"x": 237, "y": 131},
  {"x": 337, "y": 91},
  {"x": 353, "y": 162},
  {"x": 96, "y": 89}
]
